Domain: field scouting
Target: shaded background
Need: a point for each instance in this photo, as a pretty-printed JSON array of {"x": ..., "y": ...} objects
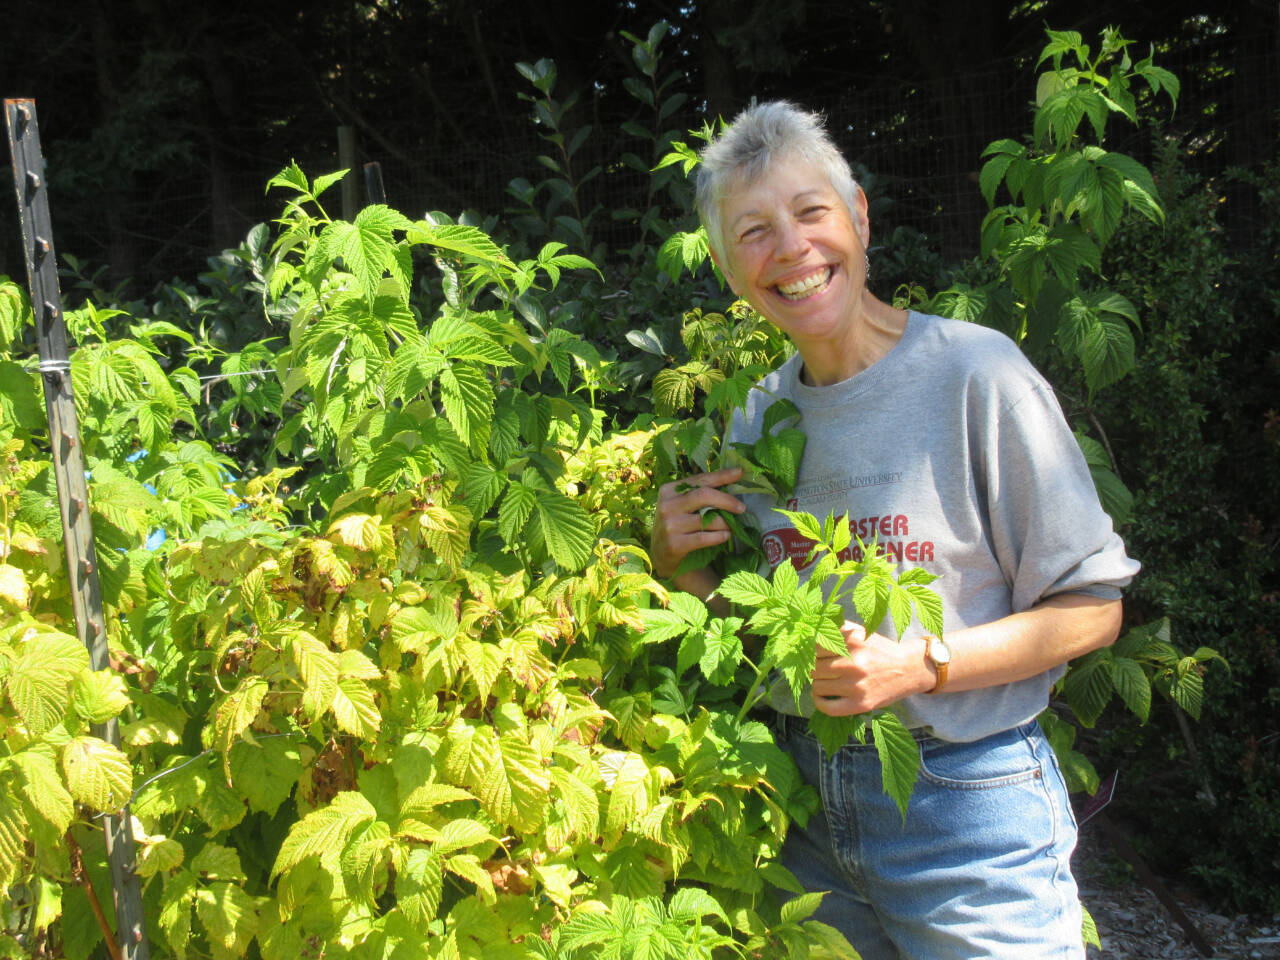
[{"x": 162, "y": 121}]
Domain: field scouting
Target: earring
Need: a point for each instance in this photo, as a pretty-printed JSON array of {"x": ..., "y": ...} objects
[{"x": 866, "y": 268}]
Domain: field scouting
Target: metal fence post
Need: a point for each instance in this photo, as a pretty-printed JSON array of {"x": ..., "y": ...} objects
[{"x": 73, "y": 490}]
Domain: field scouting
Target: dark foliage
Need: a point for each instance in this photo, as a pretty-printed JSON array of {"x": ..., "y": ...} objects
[{"x": 1194, "y": 429}]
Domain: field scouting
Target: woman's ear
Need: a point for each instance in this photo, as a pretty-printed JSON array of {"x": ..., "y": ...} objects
[{"x": 860, "y": 222}]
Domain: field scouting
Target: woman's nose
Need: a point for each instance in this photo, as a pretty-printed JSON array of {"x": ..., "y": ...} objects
[{"x": 792, "y": 242}]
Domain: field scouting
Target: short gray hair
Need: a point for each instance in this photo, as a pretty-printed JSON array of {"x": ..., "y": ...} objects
[{"x": 760, "y": 136}]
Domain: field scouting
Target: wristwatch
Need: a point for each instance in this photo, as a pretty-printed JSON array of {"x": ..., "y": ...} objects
[{"x": 939, "y": 654}]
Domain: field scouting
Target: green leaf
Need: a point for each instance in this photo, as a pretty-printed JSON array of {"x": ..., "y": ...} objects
[
  {"x": 992, "y": 173},
  {"x": 723, "y": 650},
  {"x": 97, "y": 773},
  {"x": 419, "y": 887},
  {"x": 176, "y": 901},
  {"x": 479, "y": 349},
  {"x": 216, "y": 862},
  {"x": 13, "y": 839},
  {"x": 1186, "y": 688},
  {"x": 324, "y": 832},
  {"x": 899, "y": 610},
  {"x": 928, "y": 607},
  {"x": 470, "y": 243},
  {"x": 568, "y": 530},
  {"x": 1130, "y": 681},
  {"x": 1107, "y": 353},
  {"x": 366, "y": 246},
  {"x": 581, "y": 805},
  {"x": 807, "y": 525},
  {"x": 834, "y": 732},
  {"x": 516, "y": 508},
  {"x": 1115, "y": 497},
  {"x": 801, "y": 907},
  {"x": 265, "y": 771},
  {"x": 899, "y": 757},
  {"x": 291, "y": 177},
  {"x": 19, "y": 401},
  {"x": 236, "y": 714},
  {"x": 630, "y": 790},
  {"x": 460, "y": 833},
  {"x": 1088, "y": 686},
  {"x": 468, "y": 399}
]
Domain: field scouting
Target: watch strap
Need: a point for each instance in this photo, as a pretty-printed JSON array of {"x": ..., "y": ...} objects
[{"x": 939, "y": 666}]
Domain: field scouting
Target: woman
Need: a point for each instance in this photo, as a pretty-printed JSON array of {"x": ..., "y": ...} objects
[{"x": 938, "y": 438}]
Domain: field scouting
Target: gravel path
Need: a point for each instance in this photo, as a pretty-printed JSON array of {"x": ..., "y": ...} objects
[{"x": 1135, "y": 926}]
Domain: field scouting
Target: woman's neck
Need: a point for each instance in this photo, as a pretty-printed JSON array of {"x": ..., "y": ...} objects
[{"x": 867, "y": 339}]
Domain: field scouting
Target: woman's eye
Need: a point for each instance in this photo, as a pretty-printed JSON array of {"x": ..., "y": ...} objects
[{"x": 752, "y": 232}]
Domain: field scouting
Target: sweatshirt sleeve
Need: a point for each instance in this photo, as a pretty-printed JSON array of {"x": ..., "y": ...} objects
[{"x": 1048, "y": 529}]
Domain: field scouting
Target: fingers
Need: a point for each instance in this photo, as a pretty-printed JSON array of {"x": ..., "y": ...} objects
[
  {"x": 679, "y": 526},
  {"x": 837, "y": 706},
  {"x": 853, "y": 632},
  {"x": 700, "y": 491},
  {"x": 717, "y": 478}
]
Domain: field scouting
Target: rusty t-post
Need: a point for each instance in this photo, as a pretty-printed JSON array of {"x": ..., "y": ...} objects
[{"x": 73, "y": 490}]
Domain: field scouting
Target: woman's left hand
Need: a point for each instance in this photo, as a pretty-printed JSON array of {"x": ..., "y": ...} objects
[{"x": 874, "y": 672}]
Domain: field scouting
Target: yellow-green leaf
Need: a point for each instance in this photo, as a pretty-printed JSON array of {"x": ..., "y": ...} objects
[
  {"x": 40, "y": 678},
  {"x": 229, "y": 918},
  {"x": 355, "y": 708},
  {"x": 13, "y": 836},
  {"x": 216, "y": 862},
  {"x": 43, "y": 786},
  {"x": 358, "y": 530},
  {"x": 324, "y": 832},
  {"x": 513, "y": 786},
  {"x": 97, "y": 773},
  {"x": 631, "y": 790},
  {"x": 159, "y": 857},
  {"x": 98, "y": 695},
  {"x": 319, "y": 668},
  {"x": 14, "y": 587},
  {"x": 175, "y": 911}
]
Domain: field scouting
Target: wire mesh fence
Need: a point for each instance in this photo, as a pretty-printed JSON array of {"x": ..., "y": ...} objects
[{"x": 922, "y": 153}]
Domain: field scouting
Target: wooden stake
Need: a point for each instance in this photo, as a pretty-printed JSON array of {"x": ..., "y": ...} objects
[{"x": 73, "y": 490}]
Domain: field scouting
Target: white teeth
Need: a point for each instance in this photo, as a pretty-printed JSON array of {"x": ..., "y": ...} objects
[{"x": 799, "y": 289}]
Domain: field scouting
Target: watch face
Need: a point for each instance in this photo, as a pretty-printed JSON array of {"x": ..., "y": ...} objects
[{"x": 939, "y": 652}]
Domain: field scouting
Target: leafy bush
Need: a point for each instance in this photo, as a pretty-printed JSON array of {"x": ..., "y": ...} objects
[
  {"x": 1194, "y": 439},
  {"x": 387, "y": 727}
]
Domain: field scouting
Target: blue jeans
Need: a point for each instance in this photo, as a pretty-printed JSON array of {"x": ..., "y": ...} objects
[{"x": 980, "y": 868}]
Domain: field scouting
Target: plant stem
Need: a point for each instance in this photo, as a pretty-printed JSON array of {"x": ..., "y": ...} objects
[
  {"x": 753, "y": 697},
  {"x": 82, "y": 877}
]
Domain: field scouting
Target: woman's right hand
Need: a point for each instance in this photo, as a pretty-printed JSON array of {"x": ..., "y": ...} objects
[{"x": 677, "y": 524}]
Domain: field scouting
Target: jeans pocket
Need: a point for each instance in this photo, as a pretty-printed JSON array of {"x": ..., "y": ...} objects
[{"x": 995, "y": 761}]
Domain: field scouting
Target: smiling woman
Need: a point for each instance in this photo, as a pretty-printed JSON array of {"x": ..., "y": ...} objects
[
  {"x": 794, "y": 244},
  {"x": 979, "y": 481}
]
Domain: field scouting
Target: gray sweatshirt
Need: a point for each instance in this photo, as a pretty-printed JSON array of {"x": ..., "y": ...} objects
[{"x": 953, "y": 453}]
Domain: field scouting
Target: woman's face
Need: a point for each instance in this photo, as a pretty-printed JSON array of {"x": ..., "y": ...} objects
[{"x": 795, "y": 252}]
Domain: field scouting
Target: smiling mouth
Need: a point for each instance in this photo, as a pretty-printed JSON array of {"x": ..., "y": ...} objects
[{"x": 806, "y": 287}]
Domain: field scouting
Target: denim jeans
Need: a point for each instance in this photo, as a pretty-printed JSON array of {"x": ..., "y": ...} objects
[{"x": 979, "y": 869}]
